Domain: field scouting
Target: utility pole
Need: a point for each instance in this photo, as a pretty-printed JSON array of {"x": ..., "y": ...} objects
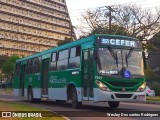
[{"x": 110, "y": 17}]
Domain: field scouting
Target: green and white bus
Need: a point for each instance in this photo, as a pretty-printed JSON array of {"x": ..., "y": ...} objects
[{"x": 98, "y": 68}]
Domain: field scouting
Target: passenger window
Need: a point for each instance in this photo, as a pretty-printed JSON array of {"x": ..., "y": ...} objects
[
  {"x": 36, "y": 65},
  {"x": 62, "y": 62},
  {"x": 63, "y": 54},
  {"x": 29, "y": 67},
  {"x": 74, "y": 60},
  {"x": 53, "y": 65}
]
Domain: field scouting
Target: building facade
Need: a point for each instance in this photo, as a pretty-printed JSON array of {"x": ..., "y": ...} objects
[{"x": 31, "y": 26}]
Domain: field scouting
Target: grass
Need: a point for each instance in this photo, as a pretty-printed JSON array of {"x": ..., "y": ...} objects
[
  {"x": 153, "y": 98},
  {"x": 12, "y": 106}
]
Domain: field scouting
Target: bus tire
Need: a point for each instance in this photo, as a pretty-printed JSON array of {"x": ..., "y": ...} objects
[
  {"x": 74, "y": 99},
  {"x": 113, "y": 104},
  {"x": 30, "y": 95}
]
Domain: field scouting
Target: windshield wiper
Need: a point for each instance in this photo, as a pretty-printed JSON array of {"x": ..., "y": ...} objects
[
  {"x": 129, "y": 55},
  {"x": 114, "y": 55}
]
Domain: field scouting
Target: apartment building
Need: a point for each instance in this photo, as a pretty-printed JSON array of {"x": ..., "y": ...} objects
[{"x": 31, "y": 26}]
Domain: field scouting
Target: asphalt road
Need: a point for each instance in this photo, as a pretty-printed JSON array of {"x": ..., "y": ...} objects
[{"x": 93, "y": 111}]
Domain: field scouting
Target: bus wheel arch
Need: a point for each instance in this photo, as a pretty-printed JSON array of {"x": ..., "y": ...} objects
[
  {"x": 30, "y": 97},
  {"x": 69, "y": 90},
  {"x": 72, "y": 95}
]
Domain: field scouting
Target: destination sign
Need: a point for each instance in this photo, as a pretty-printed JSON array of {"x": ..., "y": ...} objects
[{"x": 118, "y": 42}]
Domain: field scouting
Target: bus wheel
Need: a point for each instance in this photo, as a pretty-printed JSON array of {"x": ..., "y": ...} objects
[
  {"x": 113, "y": 104},
  {"x": 30, "y": 95},
  {"x": 74, "y": 99}
]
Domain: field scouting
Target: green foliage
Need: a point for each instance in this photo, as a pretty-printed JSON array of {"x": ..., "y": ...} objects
[
  {"x": 3, "y": 58},
  {"x": 155, "y": 42},
  {"x": 9, "y": 65},
  {"x": 153, "y": 80},
  {"x": 150, "y": 46},
  {"x": 67, "y": 40},
  {"x": 156, "y": 37},
  {"x": 13, "y": 58},
  {"x": 151, "y": 76},
  {"x": 157, "y": 90}
]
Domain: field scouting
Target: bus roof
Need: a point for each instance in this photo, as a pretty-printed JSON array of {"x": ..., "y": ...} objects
[{"x": 72, "y": 44}]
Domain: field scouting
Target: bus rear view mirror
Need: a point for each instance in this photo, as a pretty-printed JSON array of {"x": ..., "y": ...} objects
[{"x": 95, "y": 54}]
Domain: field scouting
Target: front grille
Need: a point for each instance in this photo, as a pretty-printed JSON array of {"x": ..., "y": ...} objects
[
  {"x": 123, "y": 84},
  {"x": 123, "y": 95}
]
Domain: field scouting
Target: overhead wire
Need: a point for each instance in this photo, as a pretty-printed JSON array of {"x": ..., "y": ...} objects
[
  {"x": 104, "y": 6},
  {"x": 78, "y": 11}
]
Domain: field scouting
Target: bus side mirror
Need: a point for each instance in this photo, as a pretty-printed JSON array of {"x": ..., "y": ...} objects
[{"x": 144, "y": 59}]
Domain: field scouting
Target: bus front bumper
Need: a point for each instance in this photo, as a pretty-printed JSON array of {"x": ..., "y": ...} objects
[{"x": 119, "y": 96}]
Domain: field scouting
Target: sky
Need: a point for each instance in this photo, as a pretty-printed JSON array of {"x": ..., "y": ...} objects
[{"x": 78, "y": 7}]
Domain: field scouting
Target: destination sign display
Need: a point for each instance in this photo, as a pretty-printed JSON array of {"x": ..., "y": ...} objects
[{"x": 118, "y": 42}]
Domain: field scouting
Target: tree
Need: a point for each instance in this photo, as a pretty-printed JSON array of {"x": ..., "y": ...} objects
[
  {"x": 9, "y": 66},
  {"x": 116, "y": 30},
  {"x": 128, "y": 20},
  {"x": 67, "y": 40},
  {"x": 156, "y": 37},
  {"x": 3, "y": 58},
  {"x": 154, "y": 43}
]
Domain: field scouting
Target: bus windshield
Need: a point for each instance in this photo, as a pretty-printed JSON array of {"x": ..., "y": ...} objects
[{"x": 112, "y": 61}]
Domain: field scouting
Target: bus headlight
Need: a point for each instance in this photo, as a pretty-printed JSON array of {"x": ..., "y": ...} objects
[
  {"x": 102, "y": 86},
  {"x": 142, "y": 87}
]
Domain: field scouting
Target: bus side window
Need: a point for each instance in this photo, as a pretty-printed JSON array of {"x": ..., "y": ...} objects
[
  {"x": 39, "y": 66},
  {"x": 29, "y": 67},
  {"x": 74, "y": 60},
  {"x": 17, "y": 70},
  {"x": 62, "y": 62},
  {"x": 53, "y": 62},
  {"x": 36, "y": 64}
]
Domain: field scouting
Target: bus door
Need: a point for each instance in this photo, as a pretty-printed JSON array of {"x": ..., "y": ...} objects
[
  {"x": 44, "y": 77},
  {"x": 87, "y": 74},
  {"x": 22, "y": 78}
]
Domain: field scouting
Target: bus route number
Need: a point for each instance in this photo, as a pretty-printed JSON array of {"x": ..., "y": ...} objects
[{"x": 98, "y": 77}]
